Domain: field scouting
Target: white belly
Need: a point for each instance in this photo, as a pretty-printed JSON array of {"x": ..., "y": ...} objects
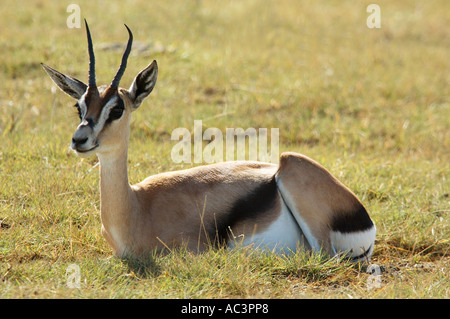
[{"x": 283, "y": 236}]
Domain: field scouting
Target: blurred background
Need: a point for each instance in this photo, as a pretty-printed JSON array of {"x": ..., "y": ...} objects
[{"x": 315, "y": 70}]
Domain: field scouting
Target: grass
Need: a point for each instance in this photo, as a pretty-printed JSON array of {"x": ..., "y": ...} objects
[{"x": 371, "y": 105}]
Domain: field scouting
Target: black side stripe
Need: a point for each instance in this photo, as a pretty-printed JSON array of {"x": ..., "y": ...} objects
[{"x": 255, "y": 203}]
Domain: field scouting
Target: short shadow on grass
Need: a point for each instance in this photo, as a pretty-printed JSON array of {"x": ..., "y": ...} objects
[
  {"x": 144, "y": 266},
  {"x": 153, "y": 264}
]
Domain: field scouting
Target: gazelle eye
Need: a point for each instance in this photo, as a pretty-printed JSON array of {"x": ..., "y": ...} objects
[{"x": 115, "y": 113}]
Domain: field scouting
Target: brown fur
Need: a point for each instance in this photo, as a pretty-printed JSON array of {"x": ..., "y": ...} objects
[{"x": 184, "y": 207}]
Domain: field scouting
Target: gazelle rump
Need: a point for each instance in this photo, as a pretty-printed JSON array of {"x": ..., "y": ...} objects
[{"x": 296, "y": 204}]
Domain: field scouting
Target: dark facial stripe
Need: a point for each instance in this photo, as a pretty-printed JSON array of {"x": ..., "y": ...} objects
[
  {"x": 77, "y": 106},
  {"x": 90, "y": 122},
  {"x": 249, "y": 207},
  {"x": 116, "y": 112},
  {"x": 96, "y": 101}
]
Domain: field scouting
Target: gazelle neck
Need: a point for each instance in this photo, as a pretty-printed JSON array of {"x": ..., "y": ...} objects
[{"x": 116, "y": 198}]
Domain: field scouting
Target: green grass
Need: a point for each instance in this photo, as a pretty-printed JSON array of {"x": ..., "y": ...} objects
[{"x": 371, "y": 105}]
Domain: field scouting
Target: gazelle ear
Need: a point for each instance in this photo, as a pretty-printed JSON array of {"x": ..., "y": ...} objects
[
  {"x": 71, "y": 86},
  {"x": 143, "y": 84}
]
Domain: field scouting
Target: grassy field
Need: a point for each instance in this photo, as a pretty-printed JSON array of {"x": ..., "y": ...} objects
[{"x": 371, "y": 105}]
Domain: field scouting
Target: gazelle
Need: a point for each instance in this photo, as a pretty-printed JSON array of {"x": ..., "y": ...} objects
[{"x": 296, "y": 204}]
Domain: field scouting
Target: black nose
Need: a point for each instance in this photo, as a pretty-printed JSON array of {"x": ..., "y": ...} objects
[{"x": 78, "y": 141}]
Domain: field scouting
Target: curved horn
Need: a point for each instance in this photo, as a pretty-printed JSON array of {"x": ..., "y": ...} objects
[
  {"x": 91, "y": 57},
  {"x": 123, "y": 64}
]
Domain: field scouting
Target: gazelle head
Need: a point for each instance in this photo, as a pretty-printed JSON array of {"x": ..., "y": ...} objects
[{"x": 105, "y": 110}]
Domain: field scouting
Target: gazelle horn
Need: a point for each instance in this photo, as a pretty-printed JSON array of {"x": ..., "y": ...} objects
[
  {"x": 123, "y": 64},
  {"x": 91, "y": 57}
]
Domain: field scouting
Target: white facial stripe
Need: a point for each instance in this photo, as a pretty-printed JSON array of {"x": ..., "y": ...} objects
[{"x": 105, "y": 113}]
